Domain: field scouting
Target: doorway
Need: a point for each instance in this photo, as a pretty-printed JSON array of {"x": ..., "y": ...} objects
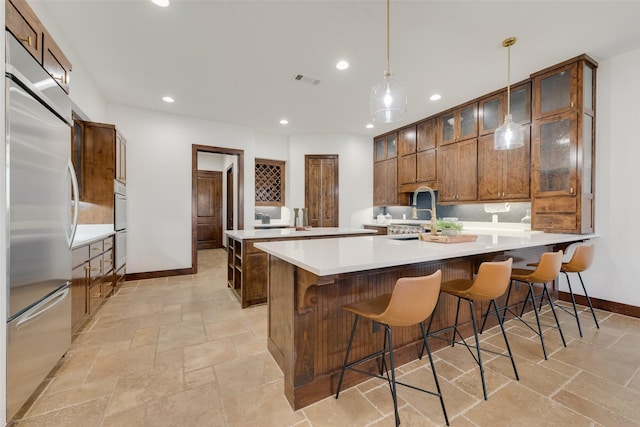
[
  {"x": 230, "y": 198},
  {"x": 209, "y": 209},
  {"x": 321, "y": 197},
  {"x": 238, "y": 194}
]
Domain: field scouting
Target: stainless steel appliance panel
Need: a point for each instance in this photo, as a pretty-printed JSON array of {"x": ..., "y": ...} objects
[
  {"x": 39, "y": 199},
  {"x": 36, "y": 340},
  {"x": 120, "y": 249}
]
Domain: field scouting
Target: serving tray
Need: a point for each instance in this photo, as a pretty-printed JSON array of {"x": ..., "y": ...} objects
[{"x": 460, "y": 238}]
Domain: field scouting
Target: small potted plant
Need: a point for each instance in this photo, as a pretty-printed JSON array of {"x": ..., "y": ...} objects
[{"x": 449, "y": 226}]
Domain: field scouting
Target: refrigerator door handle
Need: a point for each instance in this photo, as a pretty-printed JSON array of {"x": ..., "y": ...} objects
[
  {"x": 76, "y": 202},
  {"x": 44, "y": 306}
]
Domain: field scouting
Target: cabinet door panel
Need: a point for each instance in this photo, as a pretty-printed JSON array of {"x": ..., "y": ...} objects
[
  {"x": 468, "y": 122},
  {"x": 447, "y": 128},
  {"x": 555, "y": 92},
  {"x": 468, "y": 170},
  {"x": 407, "y": 169},
  {"x": 491, "y": 114},
  {"x": 426, "y": 168},
  {"x": 489, "y": 169},
  {"x": 407, "y": 141},
  {"x": 447, "y": 176},
  {"x": 380, "y": 183},
  {"x": 79, "y": 295},
  {"x": 427, "y": 135},
  {"x": 516, "y": 170}
]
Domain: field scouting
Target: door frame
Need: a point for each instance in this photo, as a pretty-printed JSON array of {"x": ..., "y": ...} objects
[{"x": 194, "y": 194}]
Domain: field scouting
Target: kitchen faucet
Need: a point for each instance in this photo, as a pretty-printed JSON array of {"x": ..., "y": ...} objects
[{"x": 414, "y": 209}]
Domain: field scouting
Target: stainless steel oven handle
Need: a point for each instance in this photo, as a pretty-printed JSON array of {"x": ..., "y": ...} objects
[
  {"x": 76, "y": 202},
  {"x": 44, "y": 306}
]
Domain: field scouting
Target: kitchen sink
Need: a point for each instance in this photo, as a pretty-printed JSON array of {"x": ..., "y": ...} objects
[{"x": 412, "y": 236}]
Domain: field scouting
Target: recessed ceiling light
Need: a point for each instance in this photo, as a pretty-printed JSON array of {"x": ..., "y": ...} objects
[
  {"x": 369, "y": 126},
  {"x": 435, "y": 97},
  {"x": 161, "y": 3},
  {"x": 342, "y": 65},
  {"x": 168, "y": 99},
  {"x": 284, "y": 122}
]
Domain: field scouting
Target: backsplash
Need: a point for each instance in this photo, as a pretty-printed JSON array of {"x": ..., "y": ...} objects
[{"x": 467, "y": 212}]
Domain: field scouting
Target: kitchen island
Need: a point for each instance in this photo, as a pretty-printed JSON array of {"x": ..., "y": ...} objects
[
  {"x": 310, "y": 280},
  {"x": 247, "y": 266}
]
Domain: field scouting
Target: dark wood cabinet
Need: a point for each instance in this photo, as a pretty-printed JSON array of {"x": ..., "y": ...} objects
[
  {"x": 458, "y": 172},
  {"x": 24, "y": 24},
  {"x": 493, "y": 108},
  {"x": 563, "y": 147},
  {"x": 385, "y": 147},
  {"x": 458, "y": 125},
  {"x": 417, "y": 161},
  {"x": 385, "y": 184},
  {"x": 503, "y": 175},
  {"x": 92, "y": 279},
  {"x": 321, "y": 195}
]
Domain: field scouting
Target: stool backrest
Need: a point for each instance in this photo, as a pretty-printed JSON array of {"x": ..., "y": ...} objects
[
  {"x": 581, "y": 259},
  {"x": 492, "y": 279},
  {"x": 548, "y": 267},
  {"x": 413, "y": 300}
]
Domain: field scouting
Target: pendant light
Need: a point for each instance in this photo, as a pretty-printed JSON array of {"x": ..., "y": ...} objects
[
  {"x": 388, "y": 100},
  {"x": 509, "y": 135}
]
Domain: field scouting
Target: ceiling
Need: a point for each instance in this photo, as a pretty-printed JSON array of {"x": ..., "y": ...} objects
[{"x": 234, "y": 61}]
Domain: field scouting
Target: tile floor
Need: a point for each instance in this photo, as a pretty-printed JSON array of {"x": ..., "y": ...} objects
[{"x": 179, "y": 351}]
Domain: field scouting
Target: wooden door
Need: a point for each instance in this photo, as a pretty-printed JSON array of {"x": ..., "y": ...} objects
[
  {"x": 321, "y": 190},
  {"x": 209, "y": 194},
  {"x": 230, "y": 198}
]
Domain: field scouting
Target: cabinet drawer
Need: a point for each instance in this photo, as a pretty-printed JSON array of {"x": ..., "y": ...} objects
[
  {"x": 95, "y": 297},
  {"x": 22, "y": 22},
  {"x": 557, "y": 223},
  {"x": 95, "y": 268},
  {"x": 108, "y": 243},
  {"x": 555, "y": 205},
  {"x": 95, "y": 249},
  {"x": 107, "y": 262},
  {"x": 79, "y": 256},
  {"x": 54, "y": 61}
]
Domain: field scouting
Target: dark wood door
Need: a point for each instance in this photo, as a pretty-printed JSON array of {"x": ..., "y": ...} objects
[
  {"x": 209, "y": 189},
  {"x": 321, "y": 190},
  {"x": 230, "y": 198}
]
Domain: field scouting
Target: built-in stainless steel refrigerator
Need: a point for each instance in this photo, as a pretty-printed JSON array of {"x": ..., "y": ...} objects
[{"x": 40, "y": 190}]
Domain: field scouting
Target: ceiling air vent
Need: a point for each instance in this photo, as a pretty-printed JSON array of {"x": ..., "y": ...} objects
[{"x": 306, "y": 79}]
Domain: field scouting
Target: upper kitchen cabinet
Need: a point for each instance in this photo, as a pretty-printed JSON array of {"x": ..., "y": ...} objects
[
  {"x": 493, "y": 108},
  {"x": 270, "y": 179},
  {"x": 459, "y": 124},
  {"x": 458, "y": 172},
  {"x": 503, "y": 175},
  {"x": 385, "y": 147},
  {"x": 563, "y": 147},
  {"x": 417, "y": 163},
  {"x": 385, "y": 184},
  {"x": 22, "y": 22},
  {"x": 102, "y": 160}
]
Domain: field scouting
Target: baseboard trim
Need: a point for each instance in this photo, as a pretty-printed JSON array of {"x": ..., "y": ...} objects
[
  {"x": 156, "y": 274},
  {"x": 613, "y": 307}
]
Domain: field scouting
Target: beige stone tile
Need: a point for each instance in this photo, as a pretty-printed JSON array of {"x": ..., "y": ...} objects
[
  {"x": 593, "y": 410},
  {"x": 635, "y": 381},
  {"x": 199, "y": 377},
  {"x": 122, "y": 363},
  {"x": 159, "y": 318},
  {"x": 70, "y": 397},
  {"x": 210, "y": 353},
  {"x": 138, "y": 388},
  {"x": 536, "y": 376},
  {"x": 515, "y": 405},
  {"x": 245, "y": 373},
  {"x": 145, "y": 336},
  {"x": 610, "y": 395},
  {"x": 180, "y": 335},
  {"x": 351, "y": 409},
  {"x": 228, "y": 328},
  {"x": 83, "y": 414},
  {"x": 133, "y": 417},
  {"x": 409, "y": 416},
  {"x": 380, "y": 397},
  {"x": 169, "y": 359},
  {"x": 194, "y": 408},
  {"x": 268, "y": 407},
  {"x": 106, "y": 335},
  {"x": 471, "y": 382},
  {"x": 248, "y": 344}
]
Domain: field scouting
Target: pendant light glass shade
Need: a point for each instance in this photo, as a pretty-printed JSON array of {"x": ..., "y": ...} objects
[
  {"x": 510, "y": 135},
  {"x": 388, "y": 102},
  {"x": 388, "y": 99}
]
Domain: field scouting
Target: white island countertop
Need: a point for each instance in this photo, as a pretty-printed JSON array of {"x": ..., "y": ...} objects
[
  {"x": 87, "y": 233},
  {"x": 334, "y": 256},
  {"x": 279, "y": 233}
]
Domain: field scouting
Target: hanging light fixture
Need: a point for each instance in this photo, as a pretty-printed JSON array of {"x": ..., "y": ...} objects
[
  {"x": 509, "y": 135},
  {"x": 388, "y": 100}
]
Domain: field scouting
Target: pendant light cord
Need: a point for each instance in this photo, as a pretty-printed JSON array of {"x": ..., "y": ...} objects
[
  {"x": 509, "y": 79},
  {"x": 388, "y": 73}
]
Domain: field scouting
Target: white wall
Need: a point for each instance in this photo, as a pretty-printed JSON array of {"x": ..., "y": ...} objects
[
  {"x": 614, "y": 275},
  {"x": 355, "y": 173}
]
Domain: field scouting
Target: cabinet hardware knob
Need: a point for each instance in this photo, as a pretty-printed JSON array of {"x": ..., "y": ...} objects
[
  {"x": 571, "y": 190},
  {"x": 28, "y": 40}
]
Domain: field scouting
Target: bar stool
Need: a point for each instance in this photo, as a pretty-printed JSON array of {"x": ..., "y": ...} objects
[
  {"x": 579, "y": 262},
  {"x": 546, "y": 271},
  {"x": 490, "y": 283},
  {"x": 412, "y": 301}
]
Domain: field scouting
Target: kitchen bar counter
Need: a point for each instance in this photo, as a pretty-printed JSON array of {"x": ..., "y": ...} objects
[
  {"x": 310, "y": 281},
  {"x": 247, "y": 266}
]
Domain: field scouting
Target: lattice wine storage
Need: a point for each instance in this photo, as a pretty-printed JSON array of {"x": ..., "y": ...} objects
[{"x": 269, "y": 182}]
